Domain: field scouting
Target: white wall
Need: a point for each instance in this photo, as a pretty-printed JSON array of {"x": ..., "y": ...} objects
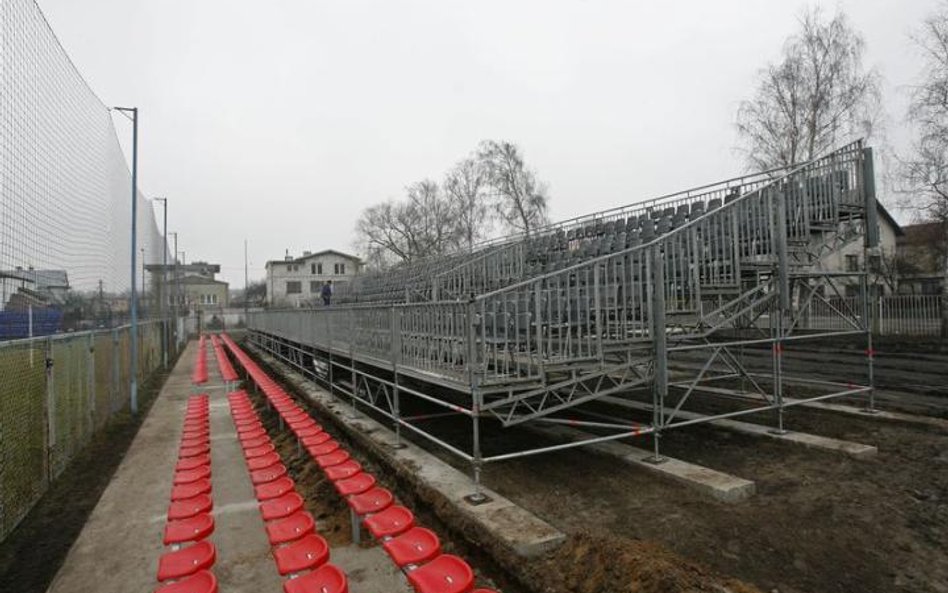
[{"x": 279, "y": 273}]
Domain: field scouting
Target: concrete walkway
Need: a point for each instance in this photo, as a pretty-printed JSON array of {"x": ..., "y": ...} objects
[{"x": 119, "y": 546}]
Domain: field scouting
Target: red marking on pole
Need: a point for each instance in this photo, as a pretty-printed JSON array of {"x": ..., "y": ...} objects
[
  {"x": 850, "y": 384},
  {"x": 778, "y": 348},
  {"x": 870, "y": 352},
  {"x": 572, "y": 422}
]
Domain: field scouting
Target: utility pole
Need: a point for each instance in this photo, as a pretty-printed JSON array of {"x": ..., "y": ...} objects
[
  {"x": 246, "y": 288},
  {"x": 163, "y": 293},
  {"x": 133, "y": 333},
  {"x": 144, "y": 289},
  {"x": 174, "y": 297}
]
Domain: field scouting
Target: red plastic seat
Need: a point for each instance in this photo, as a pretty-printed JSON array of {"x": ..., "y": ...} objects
[
  {"x": 323, "y": 449},
  {"x": 371, "y": 501},
  {"x": 444, "y": 574},
  {"x": 316, "y": 439},
  {"x": 290, "y": 528},
  {"x": 251, "y": 433},
  {"x": 186, "y": 476},
  {"x": 262, "y": 476},
  {"x": 200, "y": 582},
  {"x": 195, "y": 441},
  {"x": 415, "y": 546},
  {"x": 201, "y": 434},
  {"x": 392, "y": 521},
  {"x": 346, "y": 469},
  {"x": 357, "y": 484},
  {"x": 281, "y": 506},
  {"x": 181, "y": 563},
  {"x": 258, "y": 451},
  {"x": 194, "y": 451},
  {"x": 191, "y": 529},
  {"x": 307, "y": 553},
  {"x": 192, "y": 462},
  {"x": 197, "y": 424},
  {"x": 190, "y": 489},
  {"x": 251, "y": 430},
  {"x": 263, "y": 461},
  {"x": 307, "y": 430},
  {"x": 295, "y": 415},
  {"x": 273, "y": 489},
  {"x": 335, "y": 458},
  {"x": 255, "y": 442},
  {"x": 182, "y": 509},
  {"x": 328, "y": 578}
]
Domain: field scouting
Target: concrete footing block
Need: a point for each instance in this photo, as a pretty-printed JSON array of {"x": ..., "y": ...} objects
[{"x": 718, "y": 485}]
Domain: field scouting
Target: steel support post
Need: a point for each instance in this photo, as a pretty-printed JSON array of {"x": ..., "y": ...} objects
[
  {"x": 352, "y": 367},
  {"x": 660, "y": 344},
  {"x": 869, "y": 246},
  {"x": 396, "y": 358},
  {"x": 779, "y": 202},
  {"x": 474, "y": 378}
]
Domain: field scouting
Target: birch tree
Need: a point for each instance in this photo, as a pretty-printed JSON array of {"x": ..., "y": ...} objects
[{"x": 817, "y": 96}]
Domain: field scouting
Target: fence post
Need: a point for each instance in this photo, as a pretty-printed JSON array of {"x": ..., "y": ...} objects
[
  {"x": 116, "y": 373},
  {"x": 50, "y": 409},
  {"x": 90, "y": 365}
]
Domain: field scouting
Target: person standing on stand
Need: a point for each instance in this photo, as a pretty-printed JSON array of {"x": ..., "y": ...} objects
[{"x": 327, "y": 292}]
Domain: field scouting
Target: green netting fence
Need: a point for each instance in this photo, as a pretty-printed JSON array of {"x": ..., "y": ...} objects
[{"x": 56, "y": 392}]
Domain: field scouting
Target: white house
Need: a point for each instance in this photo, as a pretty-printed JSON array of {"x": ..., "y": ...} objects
[
  {"x": 849, "y": 257},
  {"x": 297, "y": 282}
]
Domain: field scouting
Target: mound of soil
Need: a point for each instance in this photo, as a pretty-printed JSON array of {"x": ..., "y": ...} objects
[{"x": 591, "y": 562}]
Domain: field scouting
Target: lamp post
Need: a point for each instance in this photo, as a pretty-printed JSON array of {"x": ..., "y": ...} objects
[
  {"x": 162, "y": 294},
  {"x": 145, "y": 307},
  {"x": 174, "y": 296},
  {"x": 133, "y": 332}
]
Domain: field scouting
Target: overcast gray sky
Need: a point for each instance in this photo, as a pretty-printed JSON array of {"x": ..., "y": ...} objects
[{"x": 280, "y": 121}]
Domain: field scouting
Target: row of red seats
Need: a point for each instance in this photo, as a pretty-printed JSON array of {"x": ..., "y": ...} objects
[
  {"x": 228, "y": 374},
  {"x": 185, "y": 568},
  {"x": 414, "y": 549},
  {"x": 199, "y": 375},
  {"x": 291, "y": 529}
]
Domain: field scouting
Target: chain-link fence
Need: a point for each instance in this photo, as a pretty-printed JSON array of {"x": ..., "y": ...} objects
[{"x": 55, "y": 393}]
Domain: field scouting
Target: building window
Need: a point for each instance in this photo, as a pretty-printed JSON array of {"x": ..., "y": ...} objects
[
  {"x": 319, "y": 268},
  {"x": 852, "y": 263},
  {"x": 314, "y": 286},
  {"x": 213, "y": 299},
  {"x": 339, "y": 268},
  {"x": 312, "y": 268},
  {"x": 875, "y": 264},
  {"x": 294, "y": 287}
]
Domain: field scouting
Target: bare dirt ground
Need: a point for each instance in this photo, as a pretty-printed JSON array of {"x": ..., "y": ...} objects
[{"x": 819, "y": 523}]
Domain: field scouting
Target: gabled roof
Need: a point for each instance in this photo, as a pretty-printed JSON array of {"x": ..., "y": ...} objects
[
  {"x": 888, "y": 218},
  {"x": 304, "y": 258}
]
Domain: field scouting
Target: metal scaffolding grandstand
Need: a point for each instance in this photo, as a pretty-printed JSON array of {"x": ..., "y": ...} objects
[{"x": 536, "y": 328}]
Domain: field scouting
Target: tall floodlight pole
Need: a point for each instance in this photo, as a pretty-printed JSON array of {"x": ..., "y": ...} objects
[
  {"x": 163, "y": 293},
  {"x": 174, "y": 298},
  {"x": 133, "y": 371}
]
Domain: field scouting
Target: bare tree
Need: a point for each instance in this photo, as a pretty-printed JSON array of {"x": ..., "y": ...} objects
[
  {"x": 817, "y": 96},
  {"x": 432, "y": 219},
  {"x": 924, "y": 173},
  {"x": 519, "y": 199},
  {"x": 465, "y": 187},
  {"x": 382, "y": 234},
  {"x": 422, "y": 225}
]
